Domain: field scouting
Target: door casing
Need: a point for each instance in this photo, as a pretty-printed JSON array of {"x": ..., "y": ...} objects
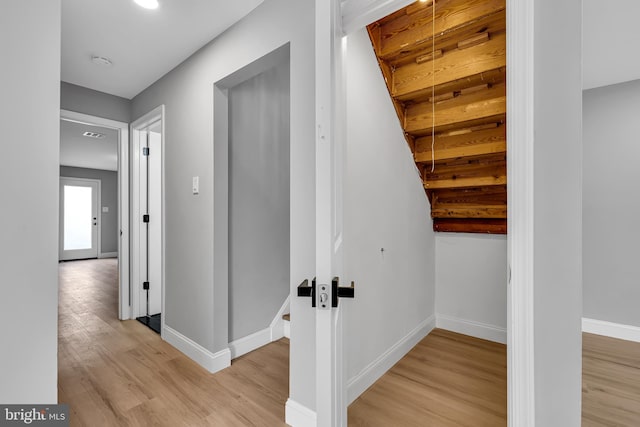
[{"x": 124, "y": 309}]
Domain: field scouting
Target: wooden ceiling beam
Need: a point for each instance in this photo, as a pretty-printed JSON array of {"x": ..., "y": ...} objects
[
  {"x": 480, "y": 181},
  {"x": 480, "y": 226},
  {"x": 455, "y": 20},
  {"x": 459, "y": 112},
  {"x": 414, "y": 80},
  {"x": 472, "y": 143},
  {"x": 498, "y": 211}
]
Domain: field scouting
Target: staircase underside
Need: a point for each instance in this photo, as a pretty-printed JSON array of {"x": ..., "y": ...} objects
[{"x": 447, "y": 79}]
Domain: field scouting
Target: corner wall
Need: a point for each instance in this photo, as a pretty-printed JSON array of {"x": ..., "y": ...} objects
[
  {"x": 471, "y": 284},
  {"x": 388, "y": 236},
  {"x": 88, "y": 101},
  {"x": 611, "y": 203},
  {"x": 195, "y": 305},
  {"x": 30, "y": 122}
]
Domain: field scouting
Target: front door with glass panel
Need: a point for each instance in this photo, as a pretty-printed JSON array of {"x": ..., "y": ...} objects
[{"x": 78, "y": 218}]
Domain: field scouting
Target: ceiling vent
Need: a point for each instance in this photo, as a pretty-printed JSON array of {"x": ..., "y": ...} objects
[{"x": 93, "y": 135}]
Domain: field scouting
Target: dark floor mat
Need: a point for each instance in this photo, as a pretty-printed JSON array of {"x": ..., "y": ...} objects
[{"x": 152, "y": 322}]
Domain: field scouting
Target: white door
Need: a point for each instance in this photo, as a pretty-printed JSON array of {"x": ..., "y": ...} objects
[
  {"x": 79, "y": 220},
  {"x": 331, "y": 407},
  {"x": 147, "y": 243},
  {"x": 154, "y": 230}
]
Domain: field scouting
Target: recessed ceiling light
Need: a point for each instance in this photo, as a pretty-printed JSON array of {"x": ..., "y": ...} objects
[
  {"x": 93, "y": 135},
  {"x": 101, "y": 60},
  {"x": 148, "y": 4}
]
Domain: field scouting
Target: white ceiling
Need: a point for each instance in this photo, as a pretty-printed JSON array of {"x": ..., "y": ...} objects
[
  {"x": 611, "y": 37},
  {"x": 84, "y": 152},
  {"x": 142, "y": 44}
]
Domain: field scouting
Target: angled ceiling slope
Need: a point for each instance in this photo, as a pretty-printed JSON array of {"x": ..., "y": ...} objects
[{"x": 143, "y": 45}]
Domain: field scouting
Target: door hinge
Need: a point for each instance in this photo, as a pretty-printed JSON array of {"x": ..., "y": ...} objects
[
  {"x": 145, "y": 151},
  {"x": 145, "y": 218},
  {"x": 145, "y": 286}
]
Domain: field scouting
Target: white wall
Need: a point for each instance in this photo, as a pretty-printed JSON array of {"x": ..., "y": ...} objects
[
  {"x": 611, "y": 203},
  {"x": 258, "y": 200},
  {"x": 471, "y": 284},
  {"x": 88, "y": 101},
  {"x": 557, "y": 212},
  {"x": 385, "y": 207},
  {"x": 30, "y": 122},
  {"x": 195, "y": 306}
]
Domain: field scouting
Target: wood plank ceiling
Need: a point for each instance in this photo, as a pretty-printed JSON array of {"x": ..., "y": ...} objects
[{"x": 447, "y": 78}]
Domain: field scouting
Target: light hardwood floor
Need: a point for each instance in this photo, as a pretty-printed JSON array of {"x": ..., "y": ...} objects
[
  {"x": 448, "y": 379},
  {"x": 114, "y": 373}
]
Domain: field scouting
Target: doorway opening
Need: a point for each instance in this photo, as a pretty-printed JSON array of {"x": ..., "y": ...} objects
[
  {"x": 147, "y": 290},
  {"x": 94, "y": 170},
  {"x": 252, "y": 200}
]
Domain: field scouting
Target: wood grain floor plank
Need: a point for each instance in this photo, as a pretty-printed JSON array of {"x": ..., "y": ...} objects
[{"x": 114, "y": 373}]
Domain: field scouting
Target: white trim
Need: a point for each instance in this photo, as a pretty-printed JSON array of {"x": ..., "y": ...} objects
[
  {"x": 287, "y": 328},
  {"x": 372, "y": 372},
  {"x": 297, "y": 415},
  {"x": 212, "y": 362},
  {"x": 249, "y": 343},
  {"x": 360, "y": 13},
  {"x": 274, "y": 332},
  {"x": 610, "y": 329},
  {"x": 474, "y": 329},
  {"x": 277, "y": 324},
  {"x": 520, "y": 233},
  {"x": 108, "y": 255},
  {"x": 124, "y": 307}
]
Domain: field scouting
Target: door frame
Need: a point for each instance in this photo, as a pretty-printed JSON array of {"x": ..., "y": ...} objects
[
  {"x": 520, "y": 234},
  {"x": 98, "y": 241},
  {"x": 124, "y": 309},
  {"x": 136, "y": 212}
]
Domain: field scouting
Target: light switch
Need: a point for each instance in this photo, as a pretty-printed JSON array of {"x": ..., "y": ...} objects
[
  {"x": 196, "y": 185},
  {"x": 105, "y": 209}
]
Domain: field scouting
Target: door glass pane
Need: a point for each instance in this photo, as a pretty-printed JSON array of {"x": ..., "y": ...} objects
[{"x": 77, "y": 217}]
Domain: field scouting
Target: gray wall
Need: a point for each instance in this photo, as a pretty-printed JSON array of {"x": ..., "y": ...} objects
[
  {"x": 557, "y": 212},
  {"x": 195, "y": 306},
  {"x": 258, "y": 200},
  {"x": 384, "y": 207},
  {"x": 471, "y": 284},
  {"x": 30, "y": 123},
  {"x": 611, "y": 203},
  {"x": 109, "y": 195},
  {"x": 88, "y": 101}
]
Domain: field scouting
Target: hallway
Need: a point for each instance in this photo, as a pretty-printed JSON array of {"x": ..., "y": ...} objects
[{"x": 114, "y": 373}]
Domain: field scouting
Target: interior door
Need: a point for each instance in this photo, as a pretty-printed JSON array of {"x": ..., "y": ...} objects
[
  {"x": 331, "y": 407},
  {"x": 150, "y": 296},
  {"x": 79, "y": 220}
]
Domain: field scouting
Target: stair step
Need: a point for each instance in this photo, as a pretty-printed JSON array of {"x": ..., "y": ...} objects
[{"x": 287, "y": 317}]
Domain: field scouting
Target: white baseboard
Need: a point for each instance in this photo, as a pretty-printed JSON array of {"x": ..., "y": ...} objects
[
  {"x": 371, "y": 373},
  {"x": 610, "y": 329},
  {"x": 287, "y": 329},
  {"x": 249, "y": 343},
  {"x": 471, "y": 328},
  {"x": 297, "y": 415},
  {"x": 278, "y": 324},
  {"x": 212, "y": 362},
  {"x": 108, "y": 255},
  {"x": 274, "y": 332}
]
